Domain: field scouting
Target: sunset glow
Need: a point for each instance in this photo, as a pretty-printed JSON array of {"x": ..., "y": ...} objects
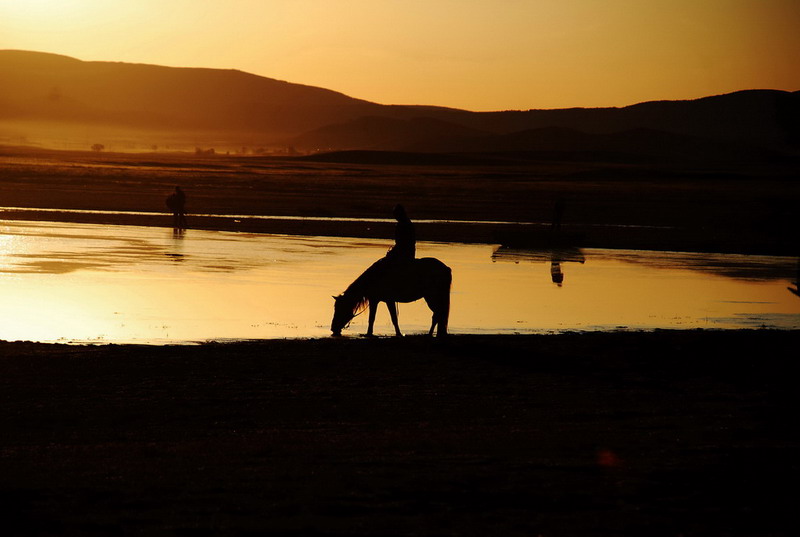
[
  {"x": 381, "y": 267},
  {"x": 74, "y": 282},
  {"x": 476, "y": 54}
]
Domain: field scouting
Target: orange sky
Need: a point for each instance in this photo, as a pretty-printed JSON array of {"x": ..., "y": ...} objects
[{"x": 472, "y": 54}]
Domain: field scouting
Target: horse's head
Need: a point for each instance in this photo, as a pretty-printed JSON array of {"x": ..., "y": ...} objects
[{"x": 343, "y": 313}]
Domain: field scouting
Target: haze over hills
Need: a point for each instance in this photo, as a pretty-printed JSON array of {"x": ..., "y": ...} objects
[
  {"x": 39, "y": 86},
  {"x": 42, "y": 94}
]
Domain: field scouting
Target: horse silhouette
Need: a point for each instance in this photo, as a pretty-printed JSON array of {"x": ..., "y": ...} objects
[{"x": 388, "y": 282}]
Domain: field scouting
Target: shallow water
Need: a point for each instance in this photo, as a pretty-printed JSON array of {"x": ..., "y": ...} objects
[{"x": 97, "y": 283}]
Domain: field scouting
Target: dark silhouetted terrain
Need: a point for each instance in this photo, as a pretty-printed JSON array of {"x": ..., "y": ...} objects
[
  {"x": 713, "y": 174},
  {"x": 732, "y": 206},
  {"x": 40, "y": 86},
  {"x": 616, "y": 434},
  {"x": 42, "y": 95}
]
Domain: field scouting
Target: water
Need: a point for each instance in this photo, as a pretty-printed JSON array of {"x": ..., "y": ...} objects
[{"x": 125, "y": 284}]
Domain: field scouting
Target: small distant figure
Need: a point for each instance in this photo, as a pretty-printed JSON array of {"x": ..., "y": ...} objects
[
  {"x": 176, "y": 202},
  {"x": 405, "y": 239},
  {"x": 555, "y": 272}
]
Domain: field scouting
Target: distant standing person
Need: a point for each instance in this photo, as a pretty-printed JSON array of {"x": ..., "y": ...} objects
[
  {"x": 176, "y": 202},
  {"x": 405, "y": 240},
  {"x": 555, "y": 272}
]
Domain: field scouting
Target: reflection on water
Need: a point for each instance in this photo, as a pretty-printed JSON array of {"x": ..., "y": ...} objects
[
  {"x": 83, "y": 282},
  {"x": 555, "y": 256}
]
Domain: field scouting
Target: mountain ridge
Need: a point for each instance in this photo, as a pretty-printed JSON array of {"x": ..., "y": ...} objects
[
  {"x": 240, "y": 107},
  {"x": 163, "y": 97}
]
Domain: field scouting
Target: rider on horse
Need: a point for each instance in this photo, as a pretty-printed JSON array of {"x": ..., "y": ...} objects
[
  {"x": 405, "y": 240},
  {"x": 397, "y": 277}
]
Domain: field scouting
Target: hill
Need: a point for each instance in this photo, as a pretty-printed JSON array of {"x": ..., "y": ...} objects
[
  {"x": 86, "y": 102},
  {"x": 747, "y": 124},
  {"x": 48, "y": 87},
  {"x": 386, "y": 133}
]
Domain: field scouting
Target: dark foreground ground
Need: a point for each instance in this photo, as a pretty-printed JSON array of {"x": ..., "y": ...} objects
[{"x": 647, "y": 434}]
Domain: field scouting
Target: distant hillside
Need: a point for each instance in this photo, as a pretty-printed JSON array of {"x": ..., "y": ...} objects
[
  {"x": 757, "y": 122},
  {"x": 628, "y": 145},
  {"x": 49, "y": 91},
  {"x": 385, "y": 133},
  {"x": 37, "y": 86}
]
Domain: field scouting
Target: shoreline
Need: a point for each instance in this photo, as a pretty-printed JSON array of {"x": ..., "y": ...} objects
[
  {"x": 12, "y": 349},
  {"x": 605, "y": 434},
  {"x": 534, "y": 236},
  {"x": 720, "y": 208}
]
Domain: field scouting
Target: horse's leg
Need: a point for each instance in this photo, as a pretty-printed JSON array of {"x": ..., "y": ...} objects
[
  {"x": 444, "y": 314},
  {"x": 444, "y": 311},
  {"x": 373, "y": 309},
  {"x": 440, "y": 306},
  {"x": 433, "y": 324},
  {"x": 435, "y": 316},
  {"x": 393, "y": 314}
]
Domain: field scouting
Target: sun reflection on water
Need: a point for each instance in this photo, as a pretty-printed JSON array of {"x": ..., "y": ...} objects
[{"x": 83, "y": 282}]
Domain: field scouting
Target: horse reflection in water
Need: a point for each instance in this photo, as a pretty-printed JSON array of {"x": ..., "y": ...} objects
[{"x": 384, "y": 281}]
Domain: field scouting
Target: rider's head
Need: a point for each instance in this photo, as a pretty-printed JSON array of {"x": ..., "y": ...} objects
[{"x": 399, "y": 212}]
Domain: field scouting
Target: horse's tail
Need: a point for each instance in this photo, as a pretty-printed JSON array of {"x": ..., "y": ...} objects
[{"x": 444, "y": 314}]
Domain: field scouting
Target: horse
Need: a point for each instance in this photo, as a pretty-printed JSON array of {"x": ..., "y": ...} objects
[{"x": 389, "y": 282}]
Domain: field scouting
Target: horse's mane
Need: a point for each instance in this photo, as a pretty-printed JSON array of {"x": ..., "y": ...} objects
[
  {"x": 360, "y": 305},
  {"x": 357, "y": 289},
  {"x": 360, "y": 301}
]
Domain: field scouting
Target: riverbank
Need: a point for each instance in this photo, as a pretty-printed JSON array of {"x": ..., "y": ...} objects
[
  {"x": 523, "y": 235},
  {"x": 709, "y": 208},
  {"x": 662, "y": 433}
]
